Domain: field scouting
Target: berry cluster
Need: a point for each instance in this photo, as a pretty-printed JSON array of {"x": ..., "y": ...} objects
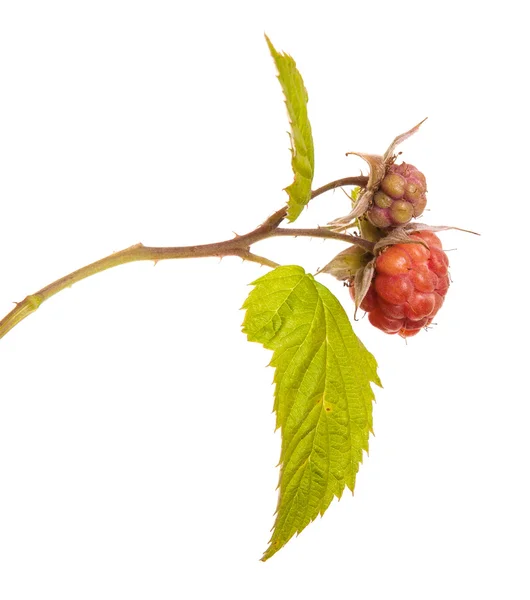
[
  {"x": 409, "y": 285},
  {"x": 400, "y": 197}
]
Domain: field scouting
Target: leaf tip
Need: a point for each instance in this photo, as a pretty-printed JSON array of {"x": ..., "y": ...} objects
[
  {"x": 272, "y": 49},
  {"x": 271, "y": 551}
]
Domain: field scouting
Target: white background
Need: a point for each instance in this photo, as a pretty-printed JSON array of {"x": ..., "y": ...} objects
[{"x": 137, "y": 453}]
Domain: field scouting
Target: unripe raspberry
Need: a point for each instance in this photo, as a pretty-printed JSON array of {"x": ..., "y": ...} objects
[
  {"x": 409, "y": 285},
  {"x": 400, "y": 197}
]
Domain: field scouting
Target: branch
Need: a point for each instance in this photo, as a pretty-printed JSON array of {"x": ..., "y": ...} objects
[
  {"x": 261, "y": 260},
  {"x": 360, "y": 181},
  {"x": 238, "y": 246},
  {"x": 323, "y": 232}
]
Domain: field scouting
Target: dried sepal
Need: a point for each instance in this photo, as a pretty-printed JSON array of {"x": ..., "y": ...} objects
[
  {"x": 345, "y": 265},
  {"x": 401, "y": 235},
  {"x": 388, "y": 156},
  {"x": 377, "y": 168},
  {"x": 434, "y": 228},
  {"x": 396, "y": 236},
  {"x": 361, "y": 206},
  {"x": 362, "y": 281}
]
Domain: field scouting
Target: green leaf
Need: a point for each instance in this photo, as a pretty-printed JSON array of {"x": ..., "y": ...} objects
[
  {"x": 303, "y": 156},
  {"x": 323, "y": 396}
]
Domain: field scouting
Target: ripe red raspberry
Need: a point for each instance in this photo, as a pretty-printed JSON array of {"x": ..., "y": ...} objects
[
  {"x": 408, "y": 287},
  {"x": 400, "y": 197}
]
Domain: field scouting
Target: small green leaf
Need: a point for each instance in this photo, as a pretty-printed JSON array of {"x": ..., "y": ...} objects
[
  {"x": 323, "y": 396},
  {"x": 303, "y": 156},
  {"x": 355, "y": 194}
]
